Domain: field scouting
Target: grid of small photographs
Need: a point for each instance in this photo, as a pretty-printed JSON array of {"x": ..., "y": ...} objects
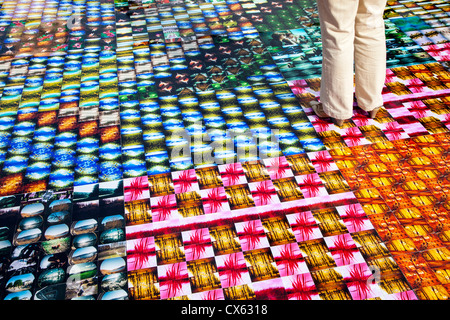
[
  {"x": 297, "y": 52},
  {"x": 285, "y": 228},
  {"x": 65, "y": 245},
  {"x": 416, "y": 103},
  {"x": 159, "y": 149}
]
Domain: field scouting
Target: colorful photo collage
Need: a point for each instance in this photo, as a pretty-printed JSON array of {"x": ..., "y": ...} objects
[
  {"x": 166, "y": 150},
  {"x": 297, "y": 52},
  {"x": 57, "y": 108},
  {"x": 416, "y": 103},
  {"x": 198, "y": 62},
  {"x": 64, "y": 245},
  {"x": 401, "y": 186},
  {"x": 425, "y": 22},
  {"x": 109, "y": 105},
  {"x": 284, "y": 228}
]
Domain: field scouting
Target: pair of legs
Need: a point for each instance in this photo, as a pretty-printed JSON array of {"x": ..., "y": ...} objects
[{"x": 354, "y": 55}]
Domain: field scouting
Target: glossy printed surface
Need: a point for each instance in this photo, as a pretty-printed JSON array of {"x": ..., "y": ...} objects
[{"x": 162, "y": 149}]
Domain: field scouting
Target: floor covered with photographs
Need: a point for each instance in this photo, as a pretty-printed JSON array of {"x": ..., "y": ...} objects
[{"x": 157, "y": 149}]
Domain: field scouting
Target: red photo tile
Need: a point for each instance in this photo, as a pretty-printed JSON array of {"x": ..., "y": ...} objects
[
  {"x": 164, "y": 208},
  {"x": 141, "y": 253},
  {"x": 197, "y": 244},
  {"x": 232, "y": 270},
  {"x": 322, "y": 161},
  {"x": 263, "y": 193},
  {"x": 185, "y": 181},
  {"x": 304, "y": 226},
  {"x": 278, "y": 168},
  {"x": 174, "y": 280},
  {"x": 272, "y": 289},
  {"x": 251, "y": 235},
  {"x": 311, "y": 185},
  {"x": 136, "y": 188},
  {"x": 214, "y": 200},
  {"x": 300, "y": 287},
  {"x": 343, "y": 249},
  {"x": 289, "y": 259}
]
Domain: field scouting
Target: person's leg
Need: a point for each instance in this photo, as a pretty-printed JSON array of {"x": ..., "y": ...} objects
[
  {"x": 370, "y": 54},
  {"x": 337, "y": 24}
]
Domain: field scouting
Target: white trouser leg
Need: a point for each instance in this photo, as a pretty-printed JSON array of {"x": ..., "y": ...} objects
[
  {"x": 352, "y": 34},
  {"x": 370, "y": 54}
]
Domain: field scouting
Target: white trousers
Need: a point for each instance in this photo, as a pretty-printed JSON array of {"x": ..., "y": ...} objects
[{"x": 354, "y": 42}]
